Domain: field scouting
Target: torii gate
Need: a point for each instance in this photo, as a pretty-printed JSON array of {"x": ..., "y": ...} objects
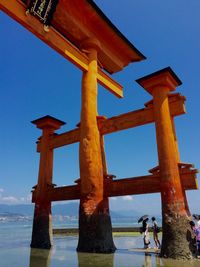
[
  {"x": 171, "y": 177},
  {"x": 90, "y": 48}
]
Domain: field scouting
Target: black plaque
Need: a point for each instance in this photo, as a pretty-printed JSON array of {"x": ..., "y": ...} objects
[{"x": 43, "y": 9}]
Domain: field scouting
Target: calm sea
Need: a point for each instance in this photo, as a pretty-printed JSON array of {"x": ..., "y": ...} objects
[{"x": 15, "y": 251}]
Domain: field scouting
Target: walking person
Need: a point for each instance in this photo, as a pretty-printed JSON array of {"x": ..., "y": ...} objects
[{"x": 156, "y": 230}]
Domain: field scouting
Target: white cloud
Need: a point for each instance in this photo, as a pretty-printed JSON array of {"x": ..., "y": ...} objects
[
  {"x": 8, "y": 199},
  {"x": 113, "y": 198},
  {"x": 129, "y": 198},
  {"x": 125, "y": 198}
]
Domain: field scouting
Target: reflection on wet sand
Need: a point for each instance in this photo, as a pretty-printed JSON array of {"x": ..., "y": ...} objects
[
  {"x": 40, "y": 257},
  {"x": 97, "y": 260},
  {"x": 147, "y": 260},
  {"x": 161, "y": 262}
]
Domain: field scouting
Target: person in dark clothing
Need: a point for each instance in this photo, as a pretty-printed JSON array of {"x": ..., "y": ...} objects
[
  {"x": 196, "y": 231},
  {"x": 155, "y": 232},
  {"x": 145, "y": 230}
]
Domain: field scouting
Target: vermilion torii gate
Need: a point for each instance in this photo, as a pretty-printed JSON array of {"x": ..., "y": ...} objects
[
  {"x": 171, "y": 177},
  {"x": 82, "y": 34}
]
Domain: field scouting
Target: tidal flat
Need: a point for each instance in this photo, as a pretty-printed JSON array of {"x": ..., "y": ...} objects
[{"x": 15, "y": 251}]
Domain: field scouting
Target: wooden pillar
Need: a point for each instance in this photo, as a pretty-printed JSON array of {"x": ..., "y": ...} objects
[
  {"x": 42, "y": 222},
  {"x": 107, "y": 177},
  {"x": 178, "y": 160},
  {"x": 101, "y": 119},
  {"x": 175, "y": 243},
  {"x": 95, "y": 230}
]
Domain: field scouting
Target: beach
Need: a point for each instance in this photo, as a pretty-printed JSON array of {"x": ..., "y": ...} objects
[{"x": 15, "y": 251}]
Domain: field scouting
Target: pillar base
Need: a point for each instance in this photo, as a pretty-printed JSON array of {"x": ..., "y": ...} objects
[
  {"x": 95, "y": 234},
  {"x": 42, "y": 227},
  {"x": 177, "y": 240}
]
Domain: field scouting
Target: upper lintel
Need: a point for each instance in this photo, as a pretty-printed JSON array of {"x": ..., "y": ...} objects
[
  {"x": 17, "y": 10},
  {"x": 78, "y": 20}
]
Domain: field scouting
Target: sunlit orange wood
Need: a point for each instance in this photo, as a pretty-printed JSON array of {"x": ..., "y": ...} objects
[
  {"x": 126, "y": 186},
  {"x": 120, "y": 122},
  {"x": 160, "y": 84},
  {"x": 82, "y": 19}
]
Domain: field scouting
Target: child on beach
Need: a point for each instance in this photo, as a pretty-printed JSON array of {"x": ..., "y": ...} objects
[
  {"x": 155, "y": 232},
  {"x": 196, "y": 231}
]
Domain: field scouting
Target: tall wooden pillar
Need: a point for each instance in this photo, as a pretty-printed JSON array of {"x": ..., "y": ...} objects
[
  {"x": 179, "y": 161},
  {"x": 106, "y": 176},
  {"x": 95, "y": 230},
  {"x": 42, "y": 222},
  {"x": 175, "y": 243}
]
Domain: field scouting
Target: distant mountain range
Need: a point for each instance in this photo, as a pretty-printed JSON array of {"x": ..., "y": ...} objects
[{"x": 69, "y": 209}]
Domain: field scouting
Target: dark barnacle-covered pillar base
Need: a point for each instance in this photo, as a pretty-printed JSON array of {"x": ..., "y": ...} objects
[
  {"x": 42, "y": 228},
  {"x": 177, "y": 241},
  {"x": 95, "y": 229}
]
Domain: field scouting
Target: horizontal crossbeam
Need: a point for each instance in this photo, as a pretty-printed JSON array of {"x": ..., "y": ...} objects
[
  {"x": 17, "y": 10},
  {"x": 128, "y": 186},
  {"x": 121, "y": 122},
  {"x": 148, "y": 184}
]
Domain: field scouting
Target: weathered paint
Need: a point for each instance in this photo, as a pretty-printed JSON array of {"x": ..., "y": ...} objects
[
  {"x": 174, "y": 208},
  {"x": 95, "y": 230}
]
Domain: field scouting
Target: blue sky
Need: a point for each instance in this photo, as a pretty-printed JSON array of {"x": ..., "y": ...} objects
[{"x": 36, "y": 81}]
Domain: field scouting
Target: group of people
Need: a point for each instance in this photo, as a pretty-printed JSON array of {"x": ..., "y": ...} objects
[
  {"x": 196, "y": 231},
  {"x": 146, "y": 238},
  {"x": 145, "y": 231}
]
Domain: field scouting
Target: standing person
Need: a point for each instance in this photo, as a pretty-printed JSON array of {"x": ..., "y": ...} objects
[
  {"x": 196, "y": 231},
  {"x": 145, "y": 230},
  {"x": 198, "y": 220},
  {"x": 155, "y": 232}
]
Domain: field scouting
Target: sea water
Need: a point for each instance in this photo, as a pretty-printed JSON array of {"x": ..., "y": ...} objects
[{"x": 15, "y": 251}]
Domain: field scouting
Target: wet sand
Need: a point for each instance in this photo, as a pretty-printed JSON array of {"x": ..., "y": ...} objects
[
  {"x": 15, "y": 251},
  {"x": 132, "y": 231}
]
